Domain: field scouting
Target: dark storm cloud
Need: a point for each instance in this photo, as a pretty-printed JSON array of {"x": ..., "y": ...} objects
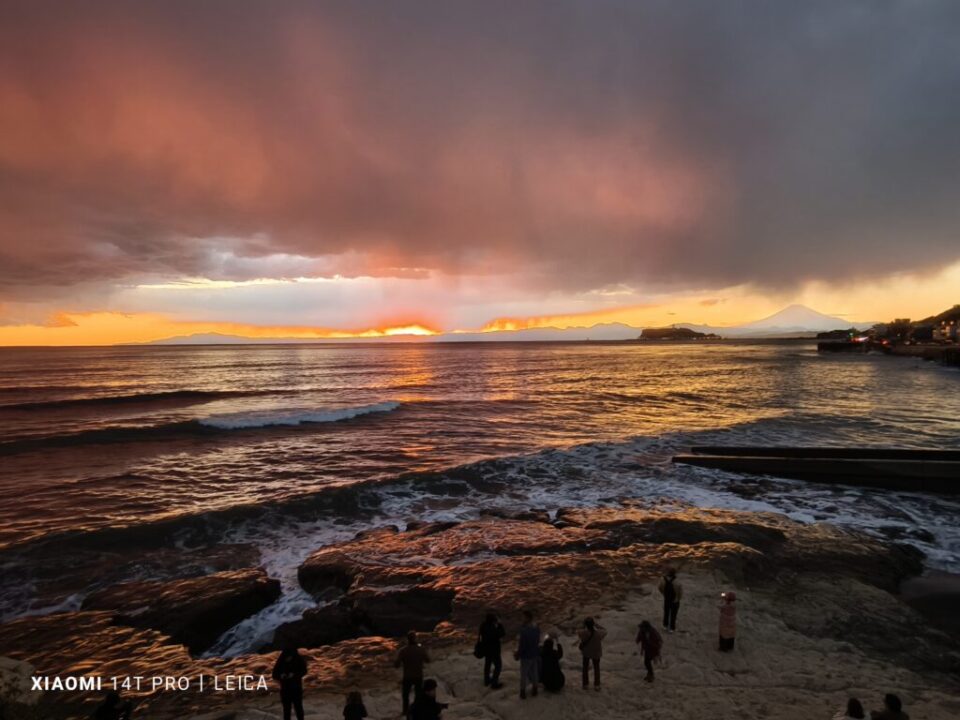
[{"x": 584, "y": 144}]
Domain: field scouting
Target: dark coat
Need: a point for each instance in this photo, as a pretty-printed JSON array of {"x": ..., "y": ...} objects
[
  {"x": 426, "y": 708},
  {"x": 289, "y": 671},
  {"x": 354, "y": 711},
  {"x": 651, "y": 643},
  {"x": 550, "y": 673},
  {"x": 490, "y": 636}
]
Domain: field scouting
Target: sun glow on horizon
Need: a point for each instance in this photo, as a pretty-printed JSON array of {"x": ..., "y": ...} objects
[
  {"x": 113, "y": 328},
  {"x": 424, "y": 314}
]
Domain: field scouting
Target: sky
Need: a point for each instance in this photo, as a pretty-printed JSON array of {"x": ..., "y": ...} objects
[{"x": 331, "y": 169}]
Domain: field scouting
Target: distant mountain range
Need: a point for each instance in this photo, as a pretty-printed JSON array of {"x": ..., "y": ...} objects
[{"x": 792, "y": 321}]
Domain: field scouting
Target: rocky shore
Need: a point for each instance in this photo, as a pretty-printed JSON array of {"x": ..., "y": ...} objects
[{"x": 820, "y": 617}]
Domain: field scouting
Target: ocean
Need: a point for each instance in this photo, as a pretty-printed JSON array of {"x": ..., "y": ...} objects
[{"x": 291, "y": 447}]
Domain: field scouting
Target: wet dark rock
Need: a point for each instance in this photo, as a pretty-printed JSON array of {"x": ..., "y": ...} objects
[
  {"x": 192, "y": 611},
  {"x": 318, "y": 627},
  {"x": 937, "y": 597},
  {"x": 825, "y": 549},
  {"x": 531, "y": 515},
  {"x": 377, "y": 532},
  {"x": 393, "y": 614},
  {"x": 59, "y": 575},
  {"x": 367, "y": 612}
]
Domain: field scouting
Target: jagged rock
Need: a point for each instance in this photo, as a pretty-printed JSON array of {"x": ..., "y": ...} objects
[
  {"x": 393, "y": 558},
  {"x": 193, "y": 611},
  {"x": 15, "y": 685},
  {"x": 686, "y": 528}
]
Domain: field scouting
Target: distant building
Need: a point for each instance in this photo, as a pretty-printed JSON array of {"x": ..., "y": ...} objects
[
  {"x": 839, "y": 334},
  {"x": 948, "y": 329},
  {"x": 922, "y": 333}
]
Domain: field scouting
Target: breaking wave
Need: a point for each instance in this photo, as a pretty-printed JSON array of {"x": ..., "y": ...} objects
[
  {"x": 204, "y": 426},
  {"x": 270, "y": 418}
]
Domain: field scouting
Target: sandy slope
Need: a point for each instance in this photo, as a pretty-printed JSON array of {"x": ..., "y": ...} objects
[{"x": 775, "y": 672}]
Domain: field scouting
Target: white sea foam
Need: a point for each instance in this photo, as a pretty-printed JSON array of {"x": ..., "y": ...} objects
[
  {"x": 268, "y": 418},
  {"x": 588, "y": 476}
]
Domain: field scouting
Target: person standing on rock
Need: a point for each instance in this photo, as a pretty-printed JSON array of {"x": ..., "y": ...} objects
[
  {"x": 550, "y": 672},
  {"x": 426, "y": 706},
  {"x": 354, "y": 709},
  {"x": 892, "y": 709},
  {"x": 728, "y": 620},
  {"x": 528, "y": 653},
  {"x": 651, "y": 643},
  {"x": 853, "y": 711},
  {"x": 289, "y": 671},
  {"x": 672, "y": 592},
  {"x": 412, "y": 657},
  {"x": 591, "y": 647},
  {"x": 488, "y": 644}
]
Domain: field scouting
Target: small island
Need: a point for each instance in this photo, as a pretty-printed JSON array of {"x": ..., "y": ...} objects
[{"x": 676, "y": 334}]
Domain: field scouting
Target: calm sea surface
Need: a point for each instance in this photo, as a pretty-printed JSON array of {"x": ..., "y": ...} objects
[{"x": 253, "y": 439}]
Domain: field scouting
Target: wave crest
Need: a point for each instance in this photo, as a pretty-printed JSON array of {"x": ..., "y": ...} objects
[{"x": 268, "y": 418}]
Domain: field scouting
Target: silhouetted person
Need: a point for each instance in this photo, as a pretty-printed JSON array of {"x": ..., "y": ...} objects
[
  {"x": 412, "y": 657},
  {"x": 728, "y": 620},
  {"x": 854, "y": 711},
  {"x": 892, "y": 709},
  {"x": 591, "y": 647},
  {"x": 528, "y": 653},
  {"x": 289, "y": 671},
  {"x": 650, "y": 644},
  {"x": 426, "y": 707},
  {"x": 112, "y": 708},
  {"x": 550, "y": 673},
  {"x": 491, "y": 633},
  {"x": 354, "y": 709},
  {"x": 672, "y": 592}
]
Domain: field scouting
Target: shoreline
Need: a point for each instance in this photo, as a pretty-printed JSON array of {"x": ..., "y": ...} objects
[
  {"x": 774, "y": 671},
  {"x": 803, "y": 589}
]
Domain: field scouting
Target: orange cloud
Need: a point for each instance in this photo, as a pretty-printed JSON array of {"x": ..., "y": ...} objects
[{"x": 628, "y": 315}]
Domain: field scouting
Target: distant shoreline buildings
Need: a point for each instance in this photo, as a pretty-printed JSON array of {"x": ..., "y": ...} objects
[{"x": 933, "y": 338}]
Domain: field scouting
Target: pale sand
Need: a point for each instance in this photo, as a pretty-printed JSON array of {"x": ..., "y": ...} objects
[{"x": 774, "y": 672}]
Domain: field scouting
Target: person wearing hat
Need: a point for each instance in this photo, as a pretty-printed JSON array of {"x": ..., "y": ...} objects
[{"x": 728, "y": 620}]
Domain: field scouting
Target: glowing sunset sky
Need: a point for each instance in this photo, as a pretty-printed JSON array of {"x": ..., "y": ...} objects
[{"x": 326, "y": 169}]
